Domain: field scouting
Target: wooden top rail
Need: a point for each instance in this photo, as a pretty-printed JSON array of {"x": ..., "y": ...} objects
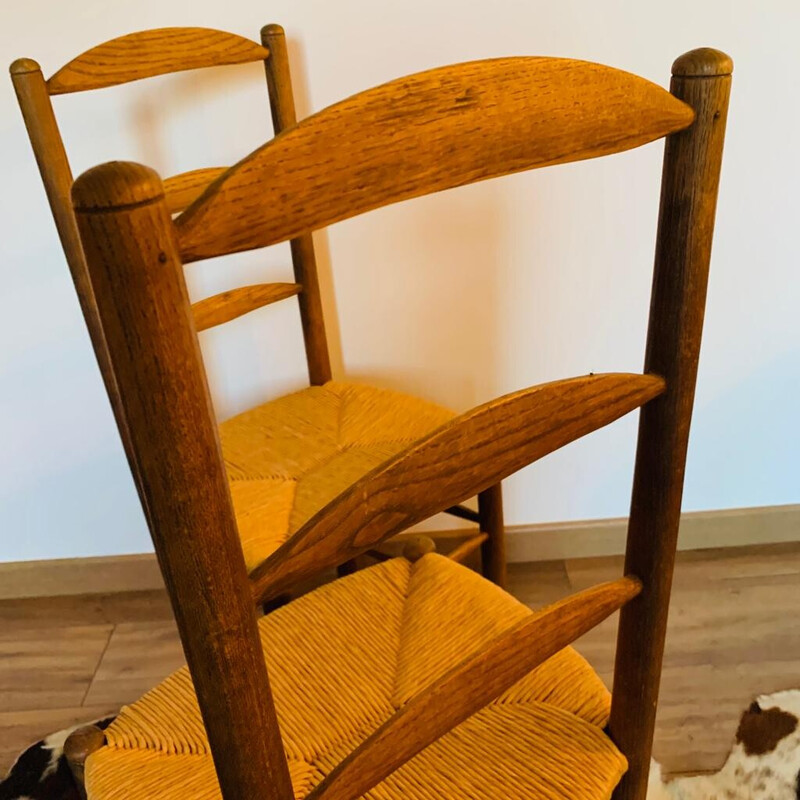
[
  {"x": 149, "y": 53},
  {"x": 234, "y": 303},
  {"x": 421, "y": 134},
  {"x": 461, "y": 458},
  {"x": 470, "y": 686},
  {"x": 182, "y": 190}
]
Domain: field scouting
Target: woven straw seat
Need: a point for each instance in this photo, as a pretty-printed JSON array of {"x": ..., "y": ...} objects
[
  {"x": 288, "y": 458},
  {"x": 342, "y": 659}
]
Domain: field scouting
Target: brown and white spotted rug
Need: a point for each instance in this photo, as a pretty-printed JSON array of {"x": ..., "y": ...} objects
[{"x": 763, "y": 765}]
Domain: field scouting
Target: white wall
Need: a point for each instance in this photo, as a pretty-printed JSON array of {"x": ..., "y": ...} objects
[{"x": 457, "y": 297}]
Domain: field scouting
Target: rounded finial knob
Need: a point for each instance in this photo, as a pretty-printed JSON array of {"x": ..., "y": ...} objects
[
  {"x": 704, "y": 62},
  {"x": 115, "y": 184},
  {"x": 23, "y": 65},
  {"x": 414, "y": 549}
]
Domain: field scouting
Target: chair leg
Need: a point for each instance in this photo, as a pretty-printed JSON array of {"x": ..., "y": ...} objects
[
  {"x": 493, "y": 550},
  {"x": 80, "y": 744}
]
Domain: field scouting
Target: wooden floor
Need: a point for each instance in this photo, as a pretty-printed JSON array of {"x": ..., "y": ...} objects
[{"x": 734, "y": 633}]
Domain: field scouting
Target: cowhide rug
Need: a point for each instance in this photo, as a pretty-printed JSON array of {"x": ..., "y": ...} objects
[
  {"x": 42, "y": 772},
  {"x": 763, "y": 765}
]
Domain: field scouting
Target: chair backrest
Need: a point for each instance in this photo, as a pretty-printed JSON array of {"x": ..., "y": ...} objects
[
  {"x": 143, "y": 55},
  {"x": 419, "y": 134}
]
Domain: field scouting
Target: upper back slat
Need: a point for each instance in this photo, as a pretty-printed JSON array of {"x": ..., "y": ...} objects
[
  {"x": 421, "y": 134},
  {"x": 149, "y": 53}
]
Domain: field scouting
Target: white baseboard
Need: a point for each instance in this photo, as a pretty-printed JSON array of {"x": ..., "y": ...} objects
[
  {"x": 99, "y": 575},
  {"x": 699, "y": 530},
  {"x": 540, "y": 542}
]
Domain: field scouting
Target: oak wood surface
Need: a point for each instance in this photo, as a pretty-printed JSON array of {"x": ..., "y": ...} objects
[
  {"x": 421, "y": 134},
  {"x": 56, "y": 174},
  {"x": 131, "y": 252},
  {"x": 493, "y": 550},
  {"x": 470, "y": 686},
  {"x": 79, "y": 745},
  {"x": 460, "y": 552},
  {"x": 182, "y": 190},
  {"x": 149, "y": 53},
  {"x": 234, "y": 303},
  {"x": 692, "y": 161},
  {"x": 458, "y": 460},
  {"x": 304, "y": 257}
]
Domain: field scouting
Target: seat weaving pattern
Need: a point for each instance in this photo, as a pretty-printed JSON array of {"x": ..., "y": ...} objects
[
  {"x": 288, "y": 458},
  {"x": 343, "y": 659}
]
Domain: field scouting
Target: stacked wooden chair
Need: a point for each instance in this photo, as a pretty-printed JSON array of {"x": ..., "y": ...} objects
[
  {"x": 286, "y": 459},
  {"x": 414, "y": 678}
]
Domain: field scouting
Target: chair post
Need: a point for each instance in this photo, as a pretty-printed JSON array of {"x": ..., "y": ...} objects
[
  {"x": 137, "y": 276},
  {"x": 51, "y": 158},
  {"x": 692, "y": 160},
  {"x": 78, "y": 746},
  {"x": 493, "y": 550},
  {"x": 304, "y": 260}
]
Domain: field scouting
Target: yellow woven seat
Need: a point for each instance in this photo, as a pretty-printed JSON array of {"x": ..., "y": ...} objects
[
  {"x": 288, "y": 458},
  {"x": 342, "y": 659}
]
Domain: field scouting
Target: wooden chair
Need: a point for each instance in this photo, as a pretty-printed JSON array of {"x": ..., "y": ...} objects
[
  {"x": 410, "y": 679},
  {"x": 286, "y": 458}
]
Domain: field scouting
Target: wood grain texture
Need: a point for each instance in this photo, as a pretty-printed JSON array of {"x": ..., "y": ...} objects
[
  {"x": 79, "y": 745},
  {"x": 421, "y": 134},
  {"x": 182, "y": 190},
  {"x": 120, "y": 677},
  {"x": 304, "y": 257},
  {"x": 493, "y": 550},
  {"x": 463, "y": 550},
  {"x": 470, "y": 686},
  {"x": 692, "y": 162},
  {"x": 149, "y": 53},
  {"x": 56, "y": 173},
  {"x": 234, "y": 303},
  {"x": 77, "y": 649},
  {"x": 456, "y": 461},
  {"x": 127, "y": 234}
]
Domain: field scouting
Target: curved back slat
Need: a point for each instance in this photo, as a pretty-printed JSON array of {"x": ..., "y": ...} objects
[
  {"x": 149, "y": 53},
  {"x": 421, "y": 134},
  {"x": 235, "y": 303},
  {"x": 182, "y": 190},
  {"x": 463, "y": 457}
]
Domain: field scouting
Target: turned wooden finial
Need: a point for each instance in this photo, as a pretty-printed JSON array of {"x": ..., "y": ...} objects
[
  {"x": 704, "y": 62},
  {"x": 419, "y": 546},
  {"x": 24, "y": 65},
  {"x": 116, "y": 184},
  {"x": 80, "y": 744},
  {"x": 272, "y": 30}
]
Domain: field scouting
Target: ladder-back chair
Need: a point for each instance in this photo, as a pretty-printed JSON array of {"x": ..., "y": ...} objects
[
  {"x": 286, "y": 458},
  {"x": 408, "y": 679}
]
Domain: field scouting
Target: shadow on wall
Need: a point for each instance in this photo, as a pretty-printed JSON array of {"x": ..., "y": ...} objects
[{"x": 429, "y": 257}]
